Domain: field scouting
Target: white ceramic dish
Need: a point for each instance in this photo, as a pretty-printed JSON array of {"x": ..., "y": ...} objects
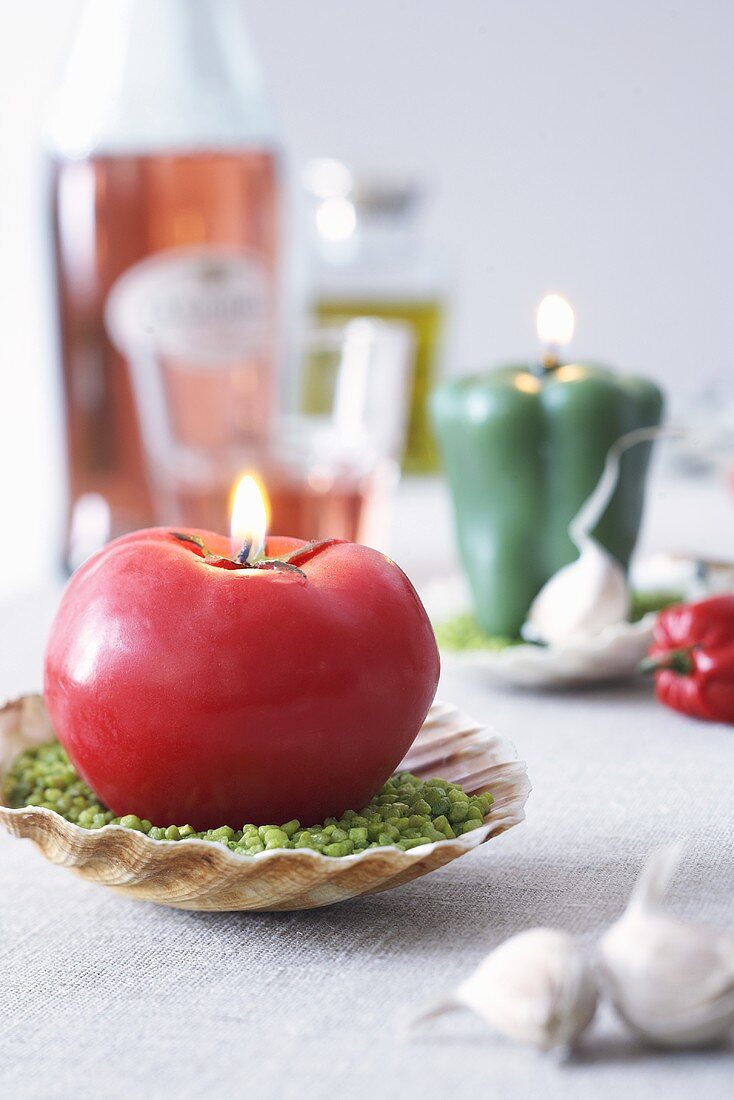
[
  {"x": 194, "y": 874},
  {"x": 614, "y": 654}
]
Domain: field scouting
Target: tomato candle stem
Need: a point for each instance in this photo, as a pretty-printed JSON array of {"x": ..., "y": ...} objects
[{"x": 242, "y": 561}]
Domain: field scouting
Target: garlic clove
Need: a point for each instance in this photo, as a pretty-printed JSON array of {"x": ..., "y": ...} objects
[
  {"x": 590, "y": 593},
  {"x": 536, "y": 988},
  {"x": 672, "y": 981},
  {"x": 580, "y": 600}
]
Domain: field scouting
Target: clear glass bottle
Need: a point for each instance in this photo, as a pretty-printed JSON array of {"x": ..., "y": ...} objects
[
  {"x": 163, "y": 157},
  {"x": 369, "y": 258}
]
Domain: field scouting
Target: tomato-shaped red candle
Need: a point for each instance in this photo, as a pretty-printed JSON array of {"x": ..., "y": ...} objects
[{"x": 194, "y": 687}]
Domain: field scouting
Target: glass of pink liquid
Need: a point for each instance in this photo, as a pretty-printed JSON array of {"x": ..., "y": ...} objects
[{"x": 328, "y": 459}]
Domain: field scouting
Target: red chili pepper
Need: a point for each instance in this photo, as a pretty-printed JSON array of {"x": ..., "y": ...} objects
[{"x": 693, "y": 658}]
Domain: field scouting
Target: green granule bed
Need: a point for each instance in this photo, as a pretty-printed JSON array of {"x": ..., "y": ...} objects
[
  {"x": 462, "y": 632},
  {"x": 404, "y": 813}
]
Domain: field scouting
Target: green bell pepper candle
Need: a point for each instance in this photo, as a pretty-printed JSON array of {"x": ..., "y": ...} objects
[{"x": 522, "y": 449}]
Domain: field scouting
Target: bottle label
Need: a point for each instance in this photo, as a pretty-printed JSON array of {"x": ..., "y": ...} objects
[{"x": 204, "y": 305}]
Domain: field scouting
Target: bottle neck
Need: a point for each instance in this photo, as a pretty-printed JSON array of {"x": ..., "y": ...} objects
[{"x": 146, "y": 76}]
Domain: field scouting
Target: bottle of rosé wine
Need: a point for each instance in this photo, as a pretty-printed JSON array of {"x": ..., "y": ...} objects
[{"x": 165, "y": 172}]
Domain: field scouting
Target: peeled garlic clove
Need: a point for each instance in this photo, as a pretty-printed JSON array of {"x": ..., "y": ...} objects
[
  {"x": 672, "y": 981},
  {"x": 591, "y": 593},
  {"x": 581, "y": 599},
  {"x": 535, "y": 987}
]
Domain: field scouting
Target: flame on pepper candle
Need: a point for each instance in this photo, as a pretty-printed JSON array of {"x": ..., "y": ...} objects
[
  {"x": 555, "y": 321},
  {"x": 249, "y": 523}
]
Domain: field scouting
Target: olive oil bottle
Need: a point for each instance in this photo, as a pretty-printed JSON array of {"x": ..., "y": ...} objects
[{"x": 370, "y": 259}]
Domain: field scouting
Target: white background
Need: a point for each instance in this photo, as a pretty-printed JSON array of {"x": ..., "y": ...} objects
[{"x": 582, "y": 147}]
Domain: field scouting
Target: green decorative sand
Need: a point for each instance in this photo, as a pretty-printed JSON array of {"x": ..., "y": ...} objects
[
  {"x": 462, "y": 633},
  {"x": 645, "y": 602},
  {"x": 404, "y": 813}
]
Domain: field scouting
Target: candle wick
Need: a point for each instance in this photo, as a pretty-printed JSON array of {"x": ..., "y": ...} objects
[
  {"x": 244, "y": 554},
  {"x": 551, "y": 359}
]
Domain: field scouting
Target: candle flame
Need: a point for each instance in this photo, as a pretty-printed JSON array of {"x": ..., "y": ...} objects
[
  {"x": 249, "y": 512},
  {"x": 555, "y": 321}
]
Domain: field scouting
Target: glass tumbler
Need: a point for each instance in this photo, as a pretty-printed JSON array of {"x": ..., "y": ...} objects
[{"x": 207, "y": 419}]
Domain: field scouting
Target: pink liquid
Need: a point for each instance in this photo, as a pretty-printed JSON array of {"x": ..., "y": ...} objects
[
  {"x": 108, "y": 214},
  {"x": 298, "y": 508}
]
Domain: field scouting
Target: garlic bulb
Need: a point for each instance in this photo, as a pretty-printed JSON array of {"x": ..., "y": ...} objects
[
  {"x": 535, "y": 987},
  {"x": 581, "y": 599},
  {"x": 672, "y": 981}
]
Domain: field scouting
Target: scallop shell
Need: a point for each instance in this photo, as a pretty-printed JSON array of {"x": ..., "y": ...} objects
[{"x": 195, "y": 874}]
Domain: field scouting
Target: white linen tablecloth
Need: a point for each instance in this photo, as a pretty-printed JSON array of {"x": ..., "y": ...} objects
[{"x": 102, "y": 996}]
